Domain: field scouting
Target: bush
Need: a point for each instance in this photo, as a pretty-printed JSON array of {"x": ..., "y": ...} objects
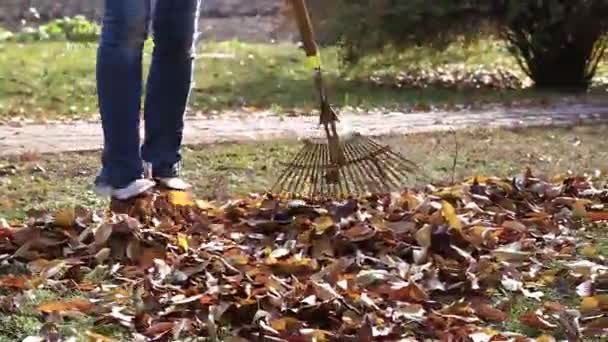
[
  {"x": 557, "y": 43},
  {"x": 74, "y": 29}
]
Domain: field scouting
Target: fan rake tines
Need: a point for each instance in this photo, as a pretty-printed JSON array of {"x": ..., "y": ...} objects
[{"x": 368, "y": 168}]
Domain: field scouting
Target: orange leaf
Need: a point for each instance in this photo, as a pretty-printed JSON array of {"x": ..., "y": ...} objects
[
  {"x": 589, "y": 304},
  {"x": 411, "y": 292},
  {"x": 597, "y": 215},
  {"x": 159, "y": 329},
  {"x": 13, "y": 282},
  {"x": 490, "y": 313},
  {"x": 532, "y": 319},
  {"x": 82, "y": 305},
  {"x": 94, "y": 337}
]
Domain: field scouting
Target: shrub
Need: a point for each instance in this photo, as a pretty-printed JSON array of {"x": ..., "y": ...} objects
[
  {"x": 558, "y": 43},
  {"x": 74, "y": 29}
]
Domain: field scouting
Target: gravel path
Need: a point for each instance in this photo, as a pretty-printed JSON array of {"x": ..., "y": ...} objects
[{"x": 234, "y": 126}]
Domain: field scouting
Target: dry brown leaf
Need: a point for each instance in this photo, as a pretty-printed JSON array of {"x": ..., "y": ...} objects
[
  {"x": 423, "y": 236},
  {"x": 102, "y": 234},
  {"x": 490, "y": 313},
  {"x": 159, "y": 328},
  {"x": 534, "y": 320},
  {"x": 359, "y": 232}
]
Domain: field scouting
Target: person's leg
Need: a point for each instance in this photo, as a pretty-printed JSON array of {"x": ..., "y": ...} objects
[
  {"x": 119, "y": 86},
  {"x": 175, "y": 30}
]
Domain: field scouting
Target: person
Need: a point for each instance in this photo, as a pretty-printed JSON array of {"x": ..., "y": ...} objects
[{"x": 126, "y": 25}]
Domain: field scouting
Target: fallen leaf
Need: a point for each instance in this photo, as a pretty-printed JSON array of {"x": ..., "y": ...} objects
[
  {"x": 449, "y": 213},
  {"x": 159, "y": 328},
  {"x": 180, "y": 198},
  {"x": 94, "y": 337},
  {"x": 590, "y": 304},
  {"x": 322, "y": 223},
  {"x": 490, "y": 313},
  {"x": 423, "y": 236},
  {"x": 61, "y": 307},
  {"x": 596, "y": 216},
  {"x": 102, "y": 234},
  {"x": 534, "y": 320},
  {"x": 65, "y": 218},
  {"x": 13, "y": 282},
  {"x": 590, "y": 251},
  {"x": 182, "y": 242}
]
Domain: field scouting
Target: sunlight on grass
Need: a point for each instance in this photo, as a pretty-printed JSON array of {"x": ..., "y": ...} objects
[{"x": 50, "y": 80}]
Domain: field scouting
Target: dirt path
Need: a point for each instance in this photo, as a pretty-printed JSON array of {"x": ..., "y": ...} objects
[{"x": 235, "y": 126}]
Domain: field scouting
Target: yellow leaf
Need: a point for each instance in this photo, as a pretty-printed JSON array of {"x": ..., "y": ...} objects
[
  {"x": 181, "y": 198},
  {"x": 204, "y": 205},
  {"x": 322, "y": 223},
  {"x": 603, "y": 301},
  {"x": 589, "y": 251},
  {"x": 65, "y": 218},
  {"x": 589, "y": 304},
  {"x": 449, "y": 213},
  {"x": 545, "y": 338},
  {"x": 578, "y": 209},
  {"x": 182, "y": 241}
]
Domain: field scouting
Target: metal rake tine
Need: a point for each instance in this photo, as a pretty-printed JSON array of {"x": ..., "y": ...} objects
[
  {"x": 371, "y": 158},
  {"x": 355, "y": 172},
  {"x": 390, "y": 168},
  {"x": 298, "y": 163},
  {"x": 364, "y": 176},
  {"x": 358, "y": 183},
  {"x": 285, "y": 175},
  {"x": 302, "y": 177},
  {"x": 314, "y": 177},
  {"x": 395, "y": 154},
  {"x": 371, "y": 176}
]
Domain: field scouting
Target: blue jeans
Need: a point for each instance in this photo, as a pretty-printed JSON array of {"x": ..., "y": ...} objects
[{"x": 125, "y": 27}]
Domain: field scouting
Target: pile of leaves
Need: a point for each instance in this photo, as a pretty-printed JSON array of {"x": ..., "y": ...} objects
[
  {"x": 454, "y": 76},
  {"x": 436, "y": 263}
]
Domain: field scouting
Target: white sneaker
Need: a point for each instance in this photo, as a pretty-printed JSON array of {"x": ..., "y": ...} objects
[
  {"x": 135, "y": 188},
  {"x": 174, "y": 183}
]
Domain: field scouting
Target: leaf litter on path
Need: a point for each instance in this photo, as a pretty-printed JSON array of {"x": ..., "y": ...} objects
[{"x": 433, "y": 264}]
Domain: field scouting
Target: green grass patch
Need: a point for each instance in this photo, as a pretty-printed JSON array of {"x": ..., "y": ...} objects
[
  {"x": 50, "y": 80},
  {"x": 48, "y": 182}
]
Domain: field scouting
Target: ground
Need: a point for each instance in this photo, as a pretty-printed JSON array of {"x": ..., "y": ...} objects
[
  {"x": 511, "y": 221},
  {"x": 32, "y": 181}
]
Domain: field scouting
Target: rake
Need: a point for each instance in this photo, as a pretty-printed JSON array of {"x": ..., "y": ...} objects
[{"x": 337, "y": 166}]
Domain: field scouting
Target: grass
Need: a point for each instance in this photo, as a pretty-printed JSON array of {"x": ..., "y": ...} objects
[
  {"x": 31, "y": 182},
  {"x": 55, "y": 80},
  {"x": 28, "y": 321}
]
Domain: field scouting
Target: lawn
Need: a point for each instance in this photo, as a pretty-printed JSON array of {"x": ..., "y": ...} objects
[
  {"x": 77, "y": 302},
  {"x": 225, "y": 170},
  {"x": 56, "y": 80}
]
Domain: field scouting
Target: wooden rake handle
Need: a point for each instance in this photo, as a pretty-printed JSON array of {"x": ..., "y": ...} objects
[
  {"x": 305, "y": 27},
  {"x": 328, "y": 117}
]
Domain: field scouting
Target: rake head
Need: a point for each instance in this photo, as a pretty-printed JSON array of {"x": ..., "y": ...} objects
[{"x": 366, "y": 167}]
